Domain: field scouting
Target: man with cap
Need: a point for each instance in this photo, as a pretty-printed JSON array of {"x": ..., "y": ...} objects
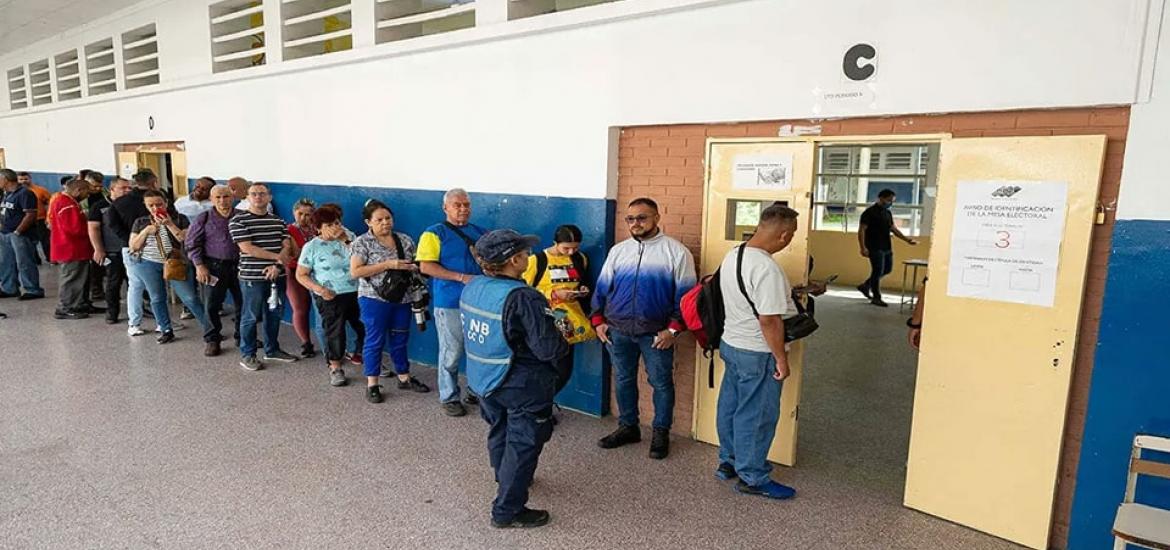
[{"x": 513, "y": 345}]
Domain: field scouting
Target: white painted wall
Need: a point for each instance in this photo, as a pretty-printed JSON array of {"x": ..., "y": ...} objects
[
  {"x": 526, "y": 106},
  {"x": 1145, "y": 192}
]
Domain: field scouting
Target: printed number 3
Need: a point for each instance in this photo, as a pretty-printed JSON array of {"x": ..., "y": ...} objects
[{"x": 1005, "y": 239}]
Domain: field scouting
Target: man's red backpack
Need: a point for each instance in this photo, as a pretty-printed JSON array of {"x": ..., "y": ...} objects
[{"x": 703, "y": 314}]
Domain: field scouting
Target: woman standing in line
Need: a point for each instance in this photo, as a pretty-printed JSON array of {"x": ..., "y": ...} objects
[
  {"x": 558, "y": 272},
  {"x": 381, "y": 259},
  {"x": 301, "y": 231},
  {"x": 323, "y": 269},
  {"x": 153, "y": 239}
]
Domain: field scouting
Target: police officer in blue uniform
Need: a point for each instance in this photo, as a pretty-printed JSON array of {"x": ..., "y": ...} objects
[{"x": 513, "y": 347}]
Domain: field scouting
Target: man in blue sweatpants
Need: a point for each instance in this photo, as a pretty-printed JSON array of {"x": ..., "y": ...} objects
[{"x": 513, "y": 347}]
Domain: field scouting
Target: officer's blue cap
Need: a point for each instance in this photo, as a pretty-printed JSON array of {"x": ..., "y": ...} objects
[{"x": 501, "y": 244}]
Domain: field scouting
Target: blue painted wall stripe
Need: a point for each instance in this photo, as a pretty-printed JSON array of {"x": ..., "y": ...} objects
[{"x": 1130, "y": 388}]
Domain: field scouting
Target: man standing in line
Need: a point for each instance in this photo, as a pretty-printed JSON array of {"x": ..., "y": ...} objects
[
  {"x": 756, "y": 300},
  {"x": 445, "y": 253},
  {"x": 107, "y": 248},
  {"x": 198, "y": 200},
  {"x": 95, "y": 288},
  {"x": 873, "y": 235},
  {"x": 265, "y": 248},
  {"x": 636, "y": 314},
  {"x": 43, "y": 197},
  {"x": 18, "y": 216},
  {"x": 72, "y": 251},
  {"x": 216, "y": 259},
  {"x": 513, "y": 347},
  {"x": 239, "y": 187}
]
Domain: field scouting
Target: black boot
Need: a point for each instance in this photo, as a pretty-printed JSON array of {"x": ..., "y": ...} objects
[
  {"x": 660, "y": 444},
  {"x": 624, "y": 435}
]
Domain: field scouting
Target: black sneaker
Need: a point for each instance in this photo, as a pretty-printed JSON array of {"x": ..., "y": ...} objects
[
  {"x": 307, "y": 351},
  {"x": 864, "y": 290},
  {"x": 454, "y": 408},
  {"x": 111, "y": 320},
  {"x": 878, "y": 302},
  {"x": 27, "y": 297},
  {"x": 660, "y": 444},
  {"x": 8, "y": 295},
  {"x": 90, "y": 308},
  {"x": 471, "y": 400},
  {"x": 624, "y": 435},
  {"x": 250, "y": 363},
  {"x": 413, "y": 385},
  {"x": 62, "y": 314},
  {"x": 166, "y": 337},
  {"x": 374, "y": 394},
  {"x": 725, "y": 472},
  {"x": 526, "y": 519}
]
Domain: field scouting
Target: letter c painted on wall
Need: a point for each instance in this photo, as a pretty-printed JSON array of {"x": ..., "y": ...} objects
[{"x": 860, "y": 62}]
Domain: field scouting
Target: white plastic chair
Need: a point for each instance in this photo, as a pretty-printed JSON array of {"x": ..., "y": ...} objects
[{"x": 1139, "y": 524}]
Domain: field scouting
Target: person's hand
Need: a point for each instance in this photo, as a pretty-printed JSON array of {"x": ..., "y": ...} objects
[
  {"x": 664, "y": 340},
  {"x": 202, "y": 274},
  {"x": 271, "y": 272},
  {"x": 99, "y": 256},
  {"x": 150, "y": 229},
  {"x": 564, "y": 295},
  {"x": 781, "y": 371},
  {"x": 602, "y": 333},
  {"x": 326, "y": 294},
  {"x": 864, "y": 252},
  {"x": 915, "y": 337},
  {"x": 400, "y": 265}
]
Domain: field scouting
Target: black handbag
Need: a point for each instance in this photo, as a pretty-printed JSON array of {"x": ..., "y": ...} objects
[
  {"x": 395, "y": 283},
  {"x": 796, "y": 327}
]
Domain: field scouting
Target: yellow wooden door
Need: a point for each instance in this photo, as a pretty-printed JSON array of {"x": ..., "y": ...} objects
[
  {"x": 743, "y": 178},
  {"x": 1012, "y": 230},
  {"x": 127, "y": 164}
]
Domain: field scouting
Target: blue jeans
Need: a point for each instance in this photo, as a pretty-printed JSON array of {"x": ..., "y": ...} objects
[
  {"x": 881, "y": 263},
  {"x": 255, "y": 310},
  {"x": 18, "y": 254},
  {"x": 450, "y": 328},
  {"x": 387, "y": 326},
  {"x": 748, "y": 409},
  {"x": 148, "y": 276},
  {"x": 625, "y": 351}
]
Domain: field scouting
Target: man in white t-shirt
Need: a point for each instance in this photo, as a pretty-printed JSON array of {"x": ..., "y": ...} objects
[{"x": 754, "y": 354}]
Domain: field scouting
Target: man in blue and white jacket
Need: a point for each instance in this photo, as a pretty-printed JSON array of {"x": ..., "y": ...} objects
[{"x": 636, "y": 314}]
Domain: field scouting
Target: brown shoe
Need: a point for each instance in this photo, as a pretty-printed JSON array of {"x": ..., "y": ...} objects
[{"x": 212, "y": 349}]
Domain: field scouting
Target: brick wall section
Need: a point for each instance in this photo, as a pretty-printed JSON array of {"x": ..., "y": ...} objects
[{"x": 666, "y": 163}]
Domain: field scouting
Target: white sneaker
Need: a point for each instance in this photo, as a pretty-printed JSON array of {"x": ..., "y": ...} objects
[
  {"x": 135, "y": 330},
  {"x": 175, "y": 327}
]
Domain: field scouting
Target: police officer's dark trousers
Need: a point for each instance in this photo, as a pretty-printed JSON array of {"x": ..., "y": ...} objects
[{"x": 519, "y": 413}]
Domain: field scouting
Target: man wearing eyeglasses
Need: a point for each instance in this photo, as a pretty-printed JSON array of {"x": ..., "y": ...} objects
[{"x": 636, "y": 316}]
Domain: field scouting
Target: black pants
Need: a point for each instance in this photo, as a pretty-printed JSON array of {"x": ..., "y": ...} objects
[
  {"x": 335, "y": 313},
  {"x": 115, "y": 278},
  {"x": 881, "y": 263},
  {"x": 42, "y": 236},
  {"x": 213, "y": 296},
  {"x": 95, "y": 289},
  {"x": 71, "y": 288},
  {"x": 519, "y": 416}
]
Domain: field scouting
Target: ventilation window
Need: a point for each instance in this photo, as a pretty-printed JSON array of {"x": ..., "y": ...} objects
[
  {"x": 68, "y": 69},
  {"x": 41, "y": 82},
  {"x": 17, "y": 89},
  {"x": 402, "y": 19},
  {"x": 100, "y": 68},
  {"x": 316, "y": 27},
  {"x": 237, "y": 35},
  {"x": 519, "y": 9},
  {"x": 140, "y": 57}
]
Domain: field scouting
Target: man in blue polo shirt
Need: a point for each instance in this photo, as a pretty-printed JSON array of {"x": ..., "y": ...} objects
[
  {"x": 18, "y": 255},
  {"x": 445, "y": 254}
]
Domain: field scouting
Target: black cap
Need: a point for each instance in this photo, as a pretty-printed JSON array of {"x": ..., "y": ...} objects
[{"x": 501, "y": 244}]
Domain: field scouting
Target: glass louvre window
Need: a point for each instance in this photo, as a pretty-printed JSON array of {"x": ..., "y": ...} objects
[{"x": 849, "y": 178}]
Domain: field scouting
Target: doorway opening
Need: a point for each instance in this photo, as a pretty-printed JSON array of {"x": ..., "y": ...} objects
[
  {"x": 167, "y": 160},
  {"x": 858, "y": 385}
]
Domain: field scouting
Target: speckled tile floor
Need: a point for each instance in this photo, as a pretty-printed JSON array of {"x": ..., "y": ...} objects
[{"x": 113, "y": 442}]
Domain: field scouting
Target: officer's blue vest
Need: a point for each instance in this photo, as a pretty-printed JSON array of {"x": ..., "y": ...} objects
[{"x": 488, "y": 356}]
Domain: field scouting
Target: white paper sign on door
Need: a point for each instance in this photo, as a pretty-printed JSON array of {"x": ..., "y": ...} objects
[
  {"x": 762, "y": 172},
  {"x": 1006, "y": 241}
]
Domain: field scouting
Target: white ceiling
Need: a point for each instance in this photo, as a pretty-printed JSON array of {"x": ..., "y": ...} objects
[{"x": 27, "y": 21}]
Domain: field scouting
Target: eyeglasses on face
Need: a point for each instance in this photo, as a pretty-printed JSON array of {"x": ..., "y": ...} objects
[{"x": 637, "y": 219}]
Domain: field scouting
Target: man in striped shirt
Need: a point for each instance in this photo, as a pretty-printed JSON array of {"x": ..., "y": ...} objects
[{"x": 265, "y": 248}]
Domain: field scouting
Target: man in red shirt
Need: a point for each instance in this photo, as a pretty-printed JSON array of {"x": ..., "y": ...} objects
[{"x": 72, "y": 250}]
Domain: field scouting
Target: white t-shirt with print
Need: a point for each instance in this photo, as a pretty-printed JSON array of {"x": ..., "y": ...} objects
[{"x": 769, "y": 289}]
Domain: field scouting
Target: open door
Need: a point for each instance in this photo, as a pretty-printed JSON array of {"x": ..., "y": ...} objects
[
  {"x": 1012, "y": 231},
  {"x": 743, "y": 178},
  {"x": 168, "y": 160}
]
